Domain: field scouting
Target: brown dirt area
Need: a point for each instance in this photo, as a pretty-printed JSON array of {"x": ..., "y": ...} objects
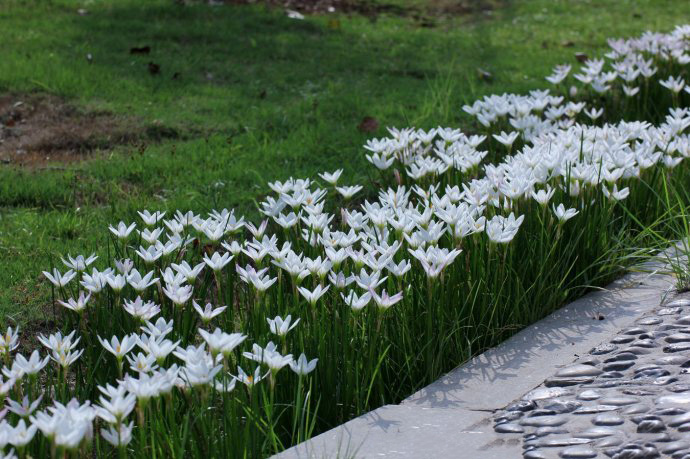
[{"x": 36, "y": 129}]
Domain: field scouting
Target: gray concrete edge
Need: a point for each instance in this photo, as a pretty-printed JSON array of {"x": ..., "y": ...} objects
[{"x": 452, "y": 416}]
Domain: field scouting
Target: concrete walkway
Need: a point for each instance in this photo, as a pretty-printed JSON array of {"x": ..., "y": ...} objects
[{"x": 455, "y": 416}]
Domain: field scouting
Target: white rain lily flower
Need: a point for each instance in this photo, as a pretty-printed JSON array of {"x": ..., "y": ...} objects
[
  {"x": 142, "y": 363},
  {"x": 178, "y": 294},
  {"x": 65, "y": 357},
  {"x": 96, "y": 281},
  {"x": 356, "y": 303},
  {"x": 21, "y": 434},
  {"x": 117, "y": 406},
  {"x": 159, "y": 329},
  {"x": 331, "y": 178},
  {"x": 9, "y": 341},
  {"x": 79, "y": 263},
  {"x": 118, "y": 435},
  {"x": 339, "y": 280},
  {"x": 281, "y": 327},
  {"x": 400, "y": 269},
  {"x": 60, "y": 280},
  {"x": 217, "y": 261},
  {"x": 119, "y": 348},
  {"x": 365, "y": 280},
  {"x": 57, "y": 342},
  {"x": 144, "y": 388},
  {"x": 151, "y": 236},
  {"x": 302, "y": 367},
  {"x": 158, "y": 347},
  {"x": 616, "y": 194},
  {"x": 171, "y": 277},
  {"x": 21, "y": 366},
  {"x": 250, "y": 380},
  {"x": 209, "y": 312},
  {"x": 117, "y": 282},
  {"x": 507, "y": 139},
  {"x": 141, "y": 310},
  {"x": 220, "y": 342},
  {"x": 149, "y": 255},
  {"x": 385, "y": 301},
  {"x": 268, "y": 356},
  {"x": 594, "y": 114},
  {"x": 200, "y": 372},
  {"x": 502, "y": 230},
  {"x": 675, "y": 85},
  {"x": 140, "y": 283},
  {"x": 257, "y": 232},
  {"x": 24, "y": 408},
  {"x": 543, "y": 196},
  {"x": 258, "y": 279},
  {"x": 122, "y": 231},
  {"x": 312, "y": 296},
  {"x": 287, "y": 221},
  {"x": 124, "y": 266},
  {"x": 234, "y": 247},
  {"x": 149, "y": 218},
  {"x": 190, "y": 273},
  {"x": 630, "y": 91},
  {"x": 348, "y": 192},
  {"x": 562, "y": 214}
]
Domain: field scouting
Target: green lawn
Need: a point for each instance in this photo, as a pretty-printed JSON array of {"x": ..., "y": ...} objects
[{"x": 254, "y": 96}]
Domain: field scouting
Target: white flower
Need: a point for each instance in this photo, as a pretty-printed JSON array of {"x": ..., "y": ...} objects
[
  {"x": 301, "y": 366},
  {"x": 25, "y": 408},
  {"x": 139, "y": 283},
  {"x": 675, "y": 85},
  {"x": 119, "y": 348},
  {"x": 250, "y": 380},
  {"x": 119, "y": 435},
  {"x": 189, "y": 272},
  {"x": 79, "y": 263},
  {"x": 506, "y": 139},
  {"x": 9, "y": 341},
  {"x": 281, "y": 327},
  {"x": 501, "y": 229},
  {"x": 562, "y": 214},
  {"x": 384, "y": 301},
  {"x": 348, "y": 191},
  {"x": 21, "y": 434},
  {"x": 140, "y": 310},
  {"x": 543, "y": 196},
  {"x": 122, "y": 231},
  {"x": 331, "y": 178},
  {"x": 217, "y": 261},
  {"x": 178, "y": 294},
  {"x": 221, "y": 342},
  {"x": 60, "y": 280},
  {"x": 158, "y": 330},
  {"x": 356, "y": 303},
  {"x": 149, "y": 218},
  {"x": 313, "y": 296},
  {"x": 208, "y": 313},
  {"x": 269, "y": 356},
  {"x": 32, "y": 366}
]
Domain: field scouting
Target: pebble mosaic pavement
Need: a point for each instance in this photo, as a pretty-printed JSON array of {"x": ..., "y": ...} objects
[{"x": 628, "y": 398}]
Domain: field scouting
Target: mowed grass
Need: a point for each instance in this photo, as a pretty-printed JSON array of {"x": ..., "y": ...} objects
[{"x": 253, "y": 96}]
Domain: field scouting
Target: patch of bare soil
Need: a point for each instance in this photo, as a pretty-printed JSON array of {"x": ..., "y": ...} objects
[{"x": 37, "y": 128}]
